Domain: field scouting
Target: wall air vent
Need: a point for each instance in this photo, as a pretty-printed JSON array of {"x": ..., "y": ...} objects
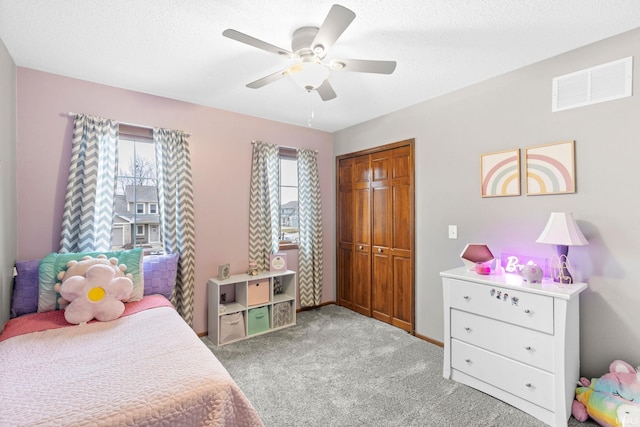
[{"x": 605, "y": 82}]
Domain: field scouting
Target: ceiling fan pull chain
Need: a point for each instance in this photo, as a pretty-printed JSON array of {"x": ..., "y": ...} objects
[{"x": 311, "y": 112}]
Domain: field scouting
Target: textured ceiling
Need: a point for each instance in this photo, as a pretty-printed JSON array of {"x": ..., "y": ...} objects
[{"x": 175, "y": 49}]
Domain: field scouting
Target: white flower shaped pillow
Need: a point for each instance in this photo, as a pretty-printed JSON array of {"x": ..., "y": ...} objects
[{"x": 98, "y": 294}]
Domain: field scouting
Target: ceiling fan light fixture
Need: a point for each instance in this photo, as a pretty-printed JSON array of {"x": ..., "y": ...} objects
[
  {"x": 308, "y": 75},
  {"x": 309, "y": 46}
]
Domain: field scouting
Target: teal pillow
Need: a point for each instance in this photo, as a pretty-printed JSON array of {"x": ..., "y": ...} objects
[{"x": 55, "y": 262}]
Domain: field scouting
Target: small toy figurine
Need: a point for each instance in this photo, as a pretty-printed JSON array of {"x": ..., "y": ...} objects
[{"x": 253, "y": 268}]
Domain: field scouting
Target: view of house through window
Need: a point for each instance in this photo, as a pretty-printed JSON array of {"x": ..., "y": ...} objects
[
  {"x": 288, "y": 198},
  {"x": 136, "y": 219}
]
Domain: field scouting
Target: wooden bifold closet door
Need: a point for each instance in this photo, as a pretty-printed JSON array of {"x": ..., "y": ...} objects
[{"x": 375, "y": 233}]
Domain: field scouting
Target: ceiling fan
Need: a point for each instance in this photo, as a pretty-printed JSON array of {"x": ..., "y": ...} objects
[{"x": 310, "y": 45}]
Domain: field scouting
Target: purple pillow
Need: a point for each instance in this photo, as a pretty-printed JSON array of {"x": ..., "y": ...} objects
[
  {"x": 25, "y": 289},
  {"x": 160, "y": 274}
]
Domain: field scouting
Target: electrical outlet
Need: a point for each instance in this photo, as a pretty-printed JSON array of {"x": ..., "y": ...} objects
[
  {"x": 453, "y": 231},
  {"x": 223, "y": 298}
]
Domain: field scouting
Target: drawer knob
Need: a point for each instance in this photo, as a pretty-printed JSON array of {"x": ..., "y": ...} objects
[
  {"x": 467, "y": 360},
  {"x": 528, "y": 348},
  {"x": 361, "y": 247},
  {"x": 467, "y": 328},
  {"x": 466, "y": 297},
  {"x": 529, "y": 385},
  {"x": 527, "y": 311}
]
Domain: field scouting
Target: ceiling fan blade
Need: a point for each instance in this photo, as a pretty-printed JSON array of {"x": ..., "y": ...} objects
[
  {"x": 268, "y": 79},
  {"x": 252, "y": 41},
  {"x": 335, "y": 23},
  {"x": 363, "y": 66},
  {"x": 325, "y": 91}
]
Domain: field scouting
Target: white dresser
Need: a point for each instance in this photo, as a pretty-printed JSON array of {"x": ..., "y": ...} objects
[{"x": 518, "y": 342}]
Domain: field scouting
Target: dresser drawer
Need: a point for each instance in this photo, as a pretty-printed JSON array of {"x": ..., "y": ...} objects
[
  {"x": 524, "y": 381},
  {"x": 520, "y": 308},
  {"x": 531, "y": 347}
]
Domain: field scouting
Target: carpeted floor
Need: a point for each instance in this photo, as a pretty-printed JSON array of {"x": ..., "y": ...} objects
[{"x": 339, "y": 368}]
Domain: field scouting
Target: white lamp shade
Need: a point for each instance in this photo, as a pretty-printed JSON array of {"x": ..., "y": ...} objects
[
  {"x": 309, "y": 75},
  {"x": 561, "y": 229}
]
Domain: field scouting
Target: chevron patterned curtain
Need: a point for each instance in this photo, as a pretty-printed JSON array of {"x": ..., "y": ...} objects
[
  {"x": 310, "y": 245},
  {"x": 175, "y": 199},
  {"x": 264, "y": 203},
  {"x": 88, "y": 204}
]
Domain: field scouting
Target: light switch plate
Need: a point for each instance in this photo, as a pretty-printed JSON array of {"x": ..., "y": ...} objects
[{"x": 453, "y": 231}]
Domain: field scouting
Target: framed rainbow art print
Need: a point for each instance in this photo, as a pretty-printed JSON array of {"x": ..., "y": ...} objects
[
  {"x": 550, "y": 168},
  {"x": 500, "y": 173}
]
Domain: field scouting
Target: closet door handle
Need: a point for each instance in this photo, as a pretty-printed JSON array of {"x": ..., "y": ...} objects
[
  {"x": 380, "y": 250},
  {"x": 361, "y": 247}
]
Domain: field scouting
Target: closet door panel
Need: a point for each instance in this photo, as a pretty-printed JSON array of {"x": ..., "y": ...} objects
[
  {"x": 400, "y": 222},
  {"x": 381, "y": 209},
  {"x": 381, "y": 287},
  {"x": 345, "y": 224},
  {"x": 362, "y": 217},
  {"x": 361, "y": 277},
  {"x": 403, "y": 298},
  {"x": 345, "y": 274}
]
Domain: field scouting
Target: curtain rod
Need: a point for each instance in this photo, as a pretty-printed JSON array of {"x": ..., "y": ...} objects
[
  {"x": 285, "y": 146},
  {"x": 129, "y": 124}
]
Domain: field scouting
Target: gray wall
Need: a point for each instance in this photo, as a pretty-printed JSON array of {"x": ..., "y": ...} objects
[
  {"x": 8, "y": 220},
  {"x": 514, "y": 111}
]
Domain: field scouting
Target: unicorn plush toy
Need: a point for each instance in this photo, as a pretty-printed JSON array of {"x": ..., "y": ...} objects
[{"x": 613, "y": 400}]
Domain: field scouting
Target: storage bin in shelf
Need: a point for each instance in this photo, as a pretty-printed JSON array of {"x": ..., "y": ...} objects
[
  {"x": 232, "y": 327},
  {"x": 275, "y": 295},
  {"x": 257, "y": 320},
  {"x": 282, "y": 314},
  {"x": 258, "y": 292}
]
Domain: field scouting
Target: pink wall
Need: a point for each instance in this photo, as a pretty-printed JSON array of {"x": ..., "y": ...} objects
[{"x": 220, "y": 145}]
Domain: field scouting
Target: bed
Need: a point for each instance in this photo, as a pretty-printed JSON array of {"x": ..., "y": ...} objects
[{"x": 146, "y": 368}]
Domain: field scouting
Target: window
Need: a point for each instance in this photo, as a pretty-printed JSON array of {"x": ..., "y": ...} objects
[
  {"x": 289, "y": 232},
  {"x": 136, "y": 198}
]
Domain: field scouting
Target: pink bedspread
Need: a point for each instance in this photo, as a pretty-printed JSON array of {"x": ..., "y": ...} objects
[
  {"x": 148, "y": 368},
  {"x": 37, "y": 322}
]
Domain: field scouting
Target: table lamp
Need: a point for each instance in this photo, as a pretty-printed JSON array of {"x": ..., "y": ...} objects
[{"x": 561, "y": 230}]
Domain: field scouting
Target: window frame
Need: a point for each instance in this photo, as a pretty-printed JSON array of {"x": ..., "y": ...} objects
[{"x": 291, "y": 154}]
